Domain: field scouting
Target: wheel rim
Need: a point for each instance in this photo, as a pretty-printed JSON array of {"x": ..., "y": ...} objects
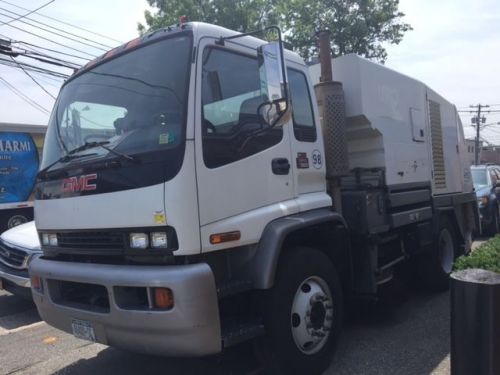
[
  {"x": 312, "y": 315},
  {"x": 446, "y": 251}
]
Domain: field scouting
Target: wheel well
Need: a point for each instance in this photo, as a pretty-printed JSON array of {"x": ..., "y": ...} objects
[{"x": 332, "y": 238}]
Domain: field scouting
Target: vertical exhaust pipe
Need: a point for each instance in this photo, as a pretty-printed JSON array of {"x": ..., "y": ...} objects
[{"x": 331, "y": 105}]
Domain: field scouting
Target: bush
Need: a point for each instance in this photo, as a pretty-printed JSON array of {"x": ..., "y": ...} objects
[{"x": 486, "y": 257}]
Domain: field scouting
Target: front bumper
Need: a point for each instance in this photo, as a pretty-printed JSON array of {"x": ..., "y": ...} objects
[
  {"x": 19, "y": 278},
  {"x": 190, "y": 328}
]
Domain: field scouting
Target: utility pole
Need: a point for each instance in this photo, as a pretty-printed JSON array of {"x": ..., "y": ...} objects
[{"x": 478, "y": 120}]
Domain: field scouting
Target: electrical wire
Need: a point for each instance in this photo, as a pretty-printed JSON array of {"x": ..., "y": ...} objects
[
  {"x": 53, "y": 32},
  {"x": 27, "y": 14},
  {"x": 55, "y": 28},
  {"x": 50, "y": 50},
  {"x": 63, "y": 22},
  {"x": 24, "y": 97},
  {"x": 52, "y": 41},
  {"x": 33, "y": 79},
  {"x": 33, "y": 68}
]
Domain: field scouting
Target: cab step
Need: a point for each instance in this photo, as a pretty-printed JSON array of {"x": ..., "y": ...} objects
[
  {"x": 233, "y": 287},
  {"x": 236, "y": 331}
]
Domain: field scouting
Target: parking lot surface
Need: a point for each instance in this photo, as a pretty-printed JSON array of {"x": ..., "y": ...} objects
[{"x": 407, "y": 332}]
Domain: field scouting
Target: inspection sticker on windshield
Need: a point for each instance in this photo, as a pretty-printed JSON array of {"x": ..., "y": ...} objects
[
  {"x": 166, "y": 138},
  {"x": 83, "y": 330}
]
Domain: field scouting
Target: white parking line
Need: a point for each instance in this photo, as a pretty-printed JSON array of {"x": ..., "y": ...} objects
[{"x": 4, "y": 331}]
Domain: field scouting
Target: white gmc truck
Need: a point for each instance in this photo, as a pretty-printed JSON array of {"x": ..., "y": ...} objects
[{"x": 197, "y": 190}]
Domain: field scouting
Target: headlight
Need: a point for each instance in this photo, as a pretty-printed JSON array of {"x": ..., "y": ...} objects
[
  {"x": 484, "y": 200},
  {"x": 159, "y": 240},
  {"x": 52, "y": 239},
  {"x": 139, "y": 240}
]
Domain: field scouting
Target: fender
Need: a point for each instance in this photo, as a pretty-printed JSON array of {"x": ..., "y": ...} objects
[{"x": 262, "y": 268}]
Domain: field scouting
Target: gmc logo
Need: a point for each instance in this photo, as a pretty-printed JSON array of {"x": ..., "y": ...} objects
[{"x": 80, "y": 183}]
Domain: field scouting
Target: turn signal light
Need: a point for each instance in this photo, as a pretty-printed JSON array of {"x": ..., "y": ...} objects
[
  {"x": 225, "y": 237},
  {"x": 163, "y": 298},
  {"x": 36, "y": 283}
]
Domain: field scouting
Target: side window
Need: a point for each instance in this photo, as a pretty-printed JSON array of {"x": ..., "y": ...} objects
[
  {"x": 493, "y": 177},
  {"x": 231, "y": 100},
  {"x": 303, "y": 118}
]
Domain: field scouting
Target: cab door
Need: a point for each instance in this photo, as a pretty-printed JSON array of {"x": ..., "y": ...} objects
[{"x": 244, "y": 172}]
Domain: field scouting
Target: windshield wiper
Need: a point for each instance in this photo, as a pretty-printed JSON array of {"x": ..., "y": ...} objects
[
  {"x": 62, "y": 159},
  {"x": 70, "y": 155}
]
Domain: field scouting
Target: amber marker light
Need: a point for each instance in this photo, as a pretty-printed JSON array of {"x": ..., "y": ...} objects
[
  {"x": 164, "y": 298},
  {"x": 36, "y": 283},
  {"x": 224, "y": 237}
]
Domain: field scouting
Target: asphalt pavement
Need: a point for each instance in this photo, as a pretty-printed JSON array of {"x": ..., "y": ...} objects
[{"x": 407, "y": 332}]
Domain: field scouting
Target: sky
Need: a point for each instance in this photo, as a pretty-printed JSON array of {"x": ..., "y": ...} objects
[{"x": 454, "y": 48}]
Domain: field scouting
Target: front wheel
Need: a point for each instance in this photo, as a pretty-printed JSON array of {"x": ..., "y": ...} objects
[{"x": 303, "y": 314}]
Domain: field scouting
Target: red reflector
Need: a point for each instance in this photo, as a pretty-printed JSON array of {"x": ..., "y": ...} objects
[
  {"x": 225, "y": 237},
  {"x": 164, "y": 298}
]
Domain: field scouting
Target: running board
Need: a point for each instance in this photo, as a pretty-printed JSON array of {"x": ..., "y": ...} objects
[{"x": 235, "y": 331}]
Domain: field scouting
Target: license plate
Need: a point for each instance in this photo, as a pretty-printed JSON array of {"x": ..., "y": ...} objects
[{"x": 83, "y": 330}]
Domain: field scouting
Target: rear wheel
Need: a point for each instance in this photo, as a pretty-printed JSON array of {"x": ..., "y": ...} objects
[
  {"x": 302, "y": 313},
  {"x": 434, "y": 267}
]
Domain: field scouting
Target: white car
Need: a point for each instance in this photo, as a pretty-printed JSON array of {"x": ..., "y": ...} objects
[{"x": 17, "y": 246}]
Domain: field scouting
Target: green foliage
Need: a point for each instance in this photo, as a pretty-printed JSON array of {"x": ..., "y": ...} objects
[
  {"x": 486, "y": 256},
  {"x": 357, "y": 26},
  {"x": 240, "y": 15}
]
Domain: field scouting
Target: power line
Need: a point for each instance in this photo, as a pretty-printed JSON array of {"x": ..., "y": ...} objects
[
  {"x": 33, "y": 79},
  {"x": 24, "y": 97},
  {"x": 52, "y": 41},
  {"x": 53, "y": 32},
  {"x": 34, "y": 68},
  {"x": 27, "y": 14},
  {"x": 55, "y": 28},
  {"x": 63, "y": 22},
  {"x": 34, "y": 46}
]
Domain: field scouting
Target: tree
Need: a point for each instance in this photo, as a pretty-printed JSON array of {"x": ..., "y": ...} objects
[
  {"x": 240, "y": 15},
  {"x": 357, "y": 26}
]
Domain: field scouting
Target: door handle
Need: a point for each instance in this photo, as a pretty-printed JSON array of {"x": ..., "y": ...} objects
[{"x": 280, "y": 166}]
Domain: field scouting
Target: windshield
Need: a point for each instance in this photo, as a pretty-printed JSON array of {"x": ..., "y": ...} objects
[
  {"x": 134, "y": 104},
  {"x": 480, "y": 178}
]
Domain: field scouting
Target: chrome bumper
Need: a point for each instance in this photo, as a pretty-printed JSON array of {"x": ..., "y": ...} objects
[
  {"x": 190, "y": 328},
  {"x": 14, "y": 276}
]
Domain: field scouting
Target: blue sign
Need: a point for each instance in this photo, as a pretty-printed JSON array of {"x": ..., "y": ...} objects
[{"x": 18, "y": 166}]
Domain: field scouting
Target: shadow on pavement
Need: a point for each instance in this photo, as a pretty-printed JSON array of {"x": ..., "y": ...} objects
[
  {"x": 239, "y": 360},
  {"x": 407, "y": 332},
  {"x": 16, "y": 312}
]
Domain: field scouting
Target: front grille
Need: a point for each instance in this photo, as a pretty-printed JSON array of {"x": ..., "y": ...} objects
[
  {"x": 91, "y": 240},
  {"x": 12, "y": 257}
]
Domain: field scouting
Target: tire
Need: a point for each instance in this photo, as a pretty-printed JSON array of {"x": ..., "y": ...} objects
[
  {"x": 434, "y": 267},
  {"x": 493, "y": 228},
  {"x": 302, "y": 313}
]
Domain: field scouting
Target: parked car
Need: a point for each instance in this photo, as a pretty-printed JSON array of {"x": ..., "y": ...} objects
[
  {"x": 18, "y": 245},
  {"x": 487, "y": 185}
]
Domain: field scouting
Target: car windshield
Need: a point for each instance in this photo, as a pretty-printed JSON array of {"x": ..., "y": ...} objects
[
  {"x": 135, "y": 103},
  {"x": 480, "y": 178}
]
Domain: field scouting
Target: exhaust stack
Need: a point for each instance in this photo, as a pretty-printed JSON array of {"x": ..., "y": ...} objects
[{"x": 331, "y": 105}]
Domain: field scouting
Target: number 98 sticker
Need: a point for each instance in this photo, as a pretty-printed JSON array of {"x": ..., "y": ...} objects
[{"x": 317, "y": 159}]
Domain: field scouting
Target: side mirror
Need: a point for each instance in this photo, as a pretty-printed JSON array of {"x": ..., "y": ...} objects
[{"x": 273, "y": 84}]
